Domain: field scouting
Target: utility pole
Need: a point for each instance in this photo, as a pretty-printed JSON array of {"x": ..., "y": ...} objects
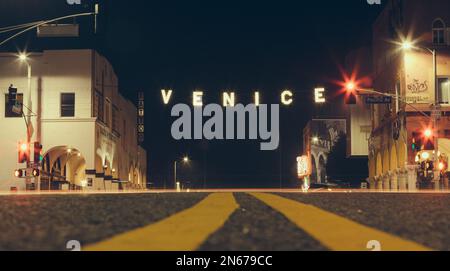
[{"x": 436, "y": 115}]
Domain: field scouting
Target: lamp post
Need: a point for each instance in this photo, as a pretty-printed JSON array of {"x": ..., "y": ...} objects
[
  {"x": 185, "y": 160},
  {"x": 23, "y": 57}
]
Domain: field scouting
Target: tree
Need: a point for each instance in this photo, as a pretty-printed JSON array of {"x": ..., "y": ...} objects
[{"x": 340, "y": 168}]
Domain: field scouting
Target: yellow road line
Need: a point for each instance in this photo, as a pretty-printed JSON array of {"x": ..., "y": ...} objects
[
  {"x": 183, "y": 231},
  {"x": 333, "y": 231}
]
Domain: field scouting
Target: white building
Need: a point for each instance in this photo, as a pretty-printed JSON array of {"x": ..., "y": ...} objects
[{"x": 87, "y": 129}]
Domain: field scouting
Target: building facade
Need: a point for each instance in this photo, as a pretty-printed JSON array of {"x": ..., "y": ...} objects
[
  {"x": 87, "y": 129},
  {"x": 319, "y": 137},
  {"x": 359, "y": 124},
  {"x": 409, "y": 74}
]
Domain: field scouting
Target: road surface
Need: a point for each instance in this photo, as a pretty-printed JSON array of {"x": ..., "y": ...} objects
[{"x": 230, "y": 221}]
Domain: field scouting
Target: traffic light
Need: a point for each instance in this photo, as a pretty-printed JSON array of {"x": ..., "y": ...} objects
[
  {"x": 350, "y": 96},
  {"x": 416, "y": 144},
  {"x": 18, "y": 173},
  {"x": 24, "y": 152},
  {"x": 37, "y": 152},
  {"x": 428, "y": 137}
]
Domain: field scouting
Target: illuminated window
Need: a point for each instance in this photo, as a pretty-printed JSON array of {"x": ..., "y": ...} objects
[
  {"x": 67, "y": 104},
  {"x": 14, "y": 110},
  {"x": 444, "y": 90},
  {"x": 438, "y": 32}
]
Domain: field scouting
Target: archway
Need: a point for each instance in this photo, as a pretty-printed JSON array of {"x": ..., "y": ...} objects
[
  {"x": 386, "y": 161},
  {"x": 379, "y": 165},
  {"x": 322, "y": 169},
  {"x": 313, "y": 170},
  {"x": 372, "y": 166},
  {"x": 402, "y": 154},
  {"x": 63, "y": 167},
  {"x": 393, "y": 160}
]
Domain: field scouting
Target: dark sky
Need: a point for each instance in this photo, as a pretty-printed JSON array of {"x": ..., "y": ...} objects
[{"x": 213, "y": 46}]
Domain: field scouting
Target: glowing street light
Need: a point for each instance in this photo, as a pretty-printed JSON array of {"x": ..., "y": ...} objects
[
  {"x": 428, "y": 133},
  {"x": 407, "y": 45},
  {"x": 23, "y": 57},
  {"x": 185, "y": 160}
]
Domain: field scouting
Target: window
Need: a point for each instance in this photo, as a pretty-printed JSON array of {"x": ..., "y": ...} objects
[
  {"x": 67, "y": 104},
  {"x": 444, "y": 90},
  {"x": 124, "y": 135},
  {"x": 115, "y": 119},
  {"x": 98, "y": 106},
  {"x": 438, "y": 32},
  {"x": 107, "y": 112},
  {"x": 14, "y": 110}
]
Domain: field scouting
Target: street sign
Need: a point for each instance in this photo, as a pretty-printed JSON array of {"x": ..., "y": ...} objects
[
  {"x": 378, "y": 99},
  {"x": 303, "y": 168}
]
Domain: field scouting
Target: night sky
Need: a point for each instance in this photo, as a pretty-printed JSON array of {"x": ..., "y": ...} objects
[{"x": 215, "y": 46}]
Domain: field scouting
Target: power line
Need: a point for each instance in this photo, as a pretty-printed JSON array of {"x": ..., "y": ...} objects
[
  {"x": 46, "y": 22},
  {"x": 17, "y": 27}
]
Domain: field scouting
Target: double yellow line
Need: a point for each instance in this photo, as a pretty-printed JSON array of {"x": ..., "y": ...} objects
[
  {"x": 187, "y": 230},
  {"x": 184, "y": 231},
  {"x": 333, "y": 231}
]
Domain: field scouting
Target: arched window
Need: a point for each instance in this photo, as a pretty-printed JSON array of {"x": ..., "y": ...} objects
[{"x": 438, "y": 32}]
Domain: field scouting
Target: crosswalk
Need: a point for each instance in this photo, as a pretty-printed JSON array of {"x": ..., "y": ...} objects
[{"x": 189, "y": 229}]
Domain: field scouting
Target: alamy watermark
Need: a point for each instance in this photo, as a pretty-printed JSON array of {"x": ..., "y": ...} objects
[
  {"x": 74, "y": 2},
  {"x": 188, "y": 126},
  {"x": 374, "y": 2}
]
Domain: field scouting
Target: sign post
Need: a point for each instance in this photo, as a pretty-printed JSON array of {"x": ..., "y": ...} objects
[{"x": 304, "y": 171}]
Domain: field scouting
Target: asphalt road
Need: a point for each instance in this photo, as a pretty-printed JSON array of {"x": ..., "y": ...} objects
[{"x": 224, "y": 221}]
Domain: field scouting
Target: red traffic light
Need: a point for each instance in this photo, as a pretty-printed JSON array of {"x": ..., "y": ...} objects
[
  {"x": 442, "y": 166},
  {"x": 428, "y": 133},
  {"x": 350, "y": 87},
  {"x": 24, "y": 152}
]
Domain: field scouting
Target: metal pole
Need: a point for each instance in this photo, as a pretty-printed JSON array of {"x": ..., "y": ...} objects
[
  {"x": 28, "y": 179},
  {"x": 175, "y": 174},
  {"x": 436, "y": 114}
]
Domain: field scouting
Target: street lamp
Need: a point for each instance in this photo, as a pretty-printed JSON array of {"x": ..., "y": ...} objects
[
  {"x": 185, "y": 160},
  {"x": 407, "y": 45},
  {"x": 23, "y": 57}
]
